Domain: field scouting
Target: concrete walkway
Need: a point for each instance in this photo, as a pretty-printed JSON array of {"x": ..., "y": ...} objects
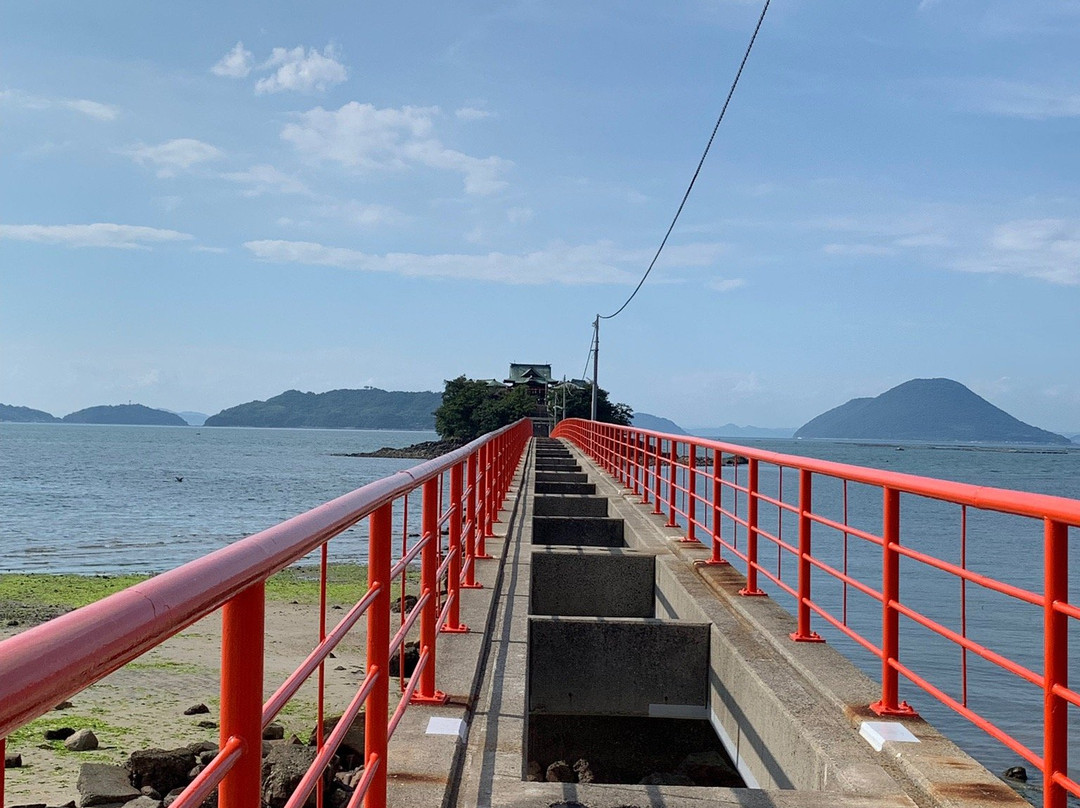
[{"x": 563, "y": 636}]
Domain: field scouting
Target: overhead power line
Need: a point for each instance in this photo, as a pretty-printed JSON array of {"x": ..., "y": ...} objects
[{"x": 697, "y": 171}]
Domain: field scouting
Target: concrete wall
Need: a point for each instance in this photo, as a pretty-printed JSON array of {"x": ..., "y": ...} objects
[
  {"x": 616, "y": 666},
  {"x": 598, "y": 582},
  {"x": 569, "y": 505},
  {"x": 574, "y": 531}
]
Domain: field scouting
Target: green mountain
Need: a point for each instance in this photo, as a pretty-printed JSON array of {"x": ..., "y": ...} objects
[
  {"x": 125, "y": 414},
  {"x": 925, "y": 409},
  {"x": 25, "y": 415},
  {"x": 643, "y": 420},
  {"x": 369, "y": 408}
]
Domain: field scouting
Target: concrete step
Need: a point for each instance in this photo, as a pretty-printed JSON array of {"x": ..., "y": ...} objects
[
  {"x": 562, "y": 477},
  {"x": 564, "y": 488},
  {"x": 569, "y": 505},
  {"x": 557, "y": 462},
  {"x": 598, "y": 582},
  {"x": 576, "y": 531},
  {"x": 617, "y": 666}
]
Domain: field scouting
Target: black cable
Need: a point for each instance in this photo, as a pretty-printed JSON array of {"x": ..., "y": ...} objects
[{"x": 701, "y": 162}]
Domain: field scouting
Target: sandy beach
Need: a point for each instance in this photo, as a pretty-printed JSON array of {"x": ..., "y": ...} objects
[{"x": 142, "y": 705}]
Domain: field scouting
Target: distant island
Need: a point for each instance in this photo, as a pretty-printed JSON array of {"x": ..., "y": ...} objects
[
  {"x": 369, "y": 408},
  {"x": 136, "y": 414},
  {"x": 25, "y": 415},
  {"x": 655, "y": 423},
  {"x": 193, "y": 418},
  {"x": 925, "y": 410},
  {"x": 736, "y": 431}
]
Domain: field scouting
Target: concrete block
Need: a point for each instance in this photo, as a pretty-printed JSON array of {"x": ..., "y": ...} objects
[
  {"x": 557, "y": 463},
  {"x": 595, "y": 582},
  {"x": 562, "y": 477},
  {"x": 616, "y": 666},
  {"x": 569, "y": 505},
  {"x": 575, "y": 531},
  {"x": 564, "y": 488}
]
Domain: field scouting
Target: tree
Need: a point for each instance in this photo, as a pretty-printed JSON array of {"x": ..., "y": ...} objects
[
  {"x": 472, "y": 408},
  {"x": 579, "y": 405}
]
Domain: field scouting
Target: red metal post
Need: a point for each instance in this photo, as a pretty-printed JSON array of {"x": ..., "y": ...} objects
[
  {"x": 497, "y": 462},
  {"x": 471, "y": 520},
  {"x": 635, "y": 461},
  {"x": 487, "y": 499},
  {"x": 802, "y": 631},
  {"x": 242, "y": 633},
  {"x": 673, "y": 466},
  {"x": 429, "y": 585},
  {"x": 646, "y": 454},
  {"x": 691, "y": 494},
  {"x": 717, "y": 558},
  {"x": 378, "y": 657},
  {"x": 890, "y": 618},
  {"x": 3, "y": 750},
  {"x": 453, "y": 575},
  {"x": 1055, "y": 661},
  {"x": 751, "y": 589},
  {"x": 656, "y": 476}
]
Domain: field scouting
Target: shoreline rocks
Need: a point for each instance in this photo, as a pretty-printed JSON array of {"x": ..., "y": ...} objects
[{"x": 427, "y": 450}]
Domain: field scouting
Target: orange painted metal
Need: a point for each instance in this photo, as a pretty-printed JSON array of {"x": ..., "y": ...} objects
[
  {"x": 241, "y": 694},
  {"x": 1057, "y": 515},
  {"x": 453, "y": 622},
  {"x": 429, "y": 588},
  {"x": 472, "y": 529},
  {"x": 378, "y": 656}
]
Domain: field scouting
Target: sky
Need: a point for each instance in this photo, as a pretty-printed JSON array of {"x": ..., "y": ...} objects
[{"x": 203, "y": 204}]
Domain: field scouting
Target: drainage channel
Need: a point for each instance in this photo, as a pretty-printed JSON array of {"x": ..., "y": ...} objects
[{"x": 614, "y": 693}]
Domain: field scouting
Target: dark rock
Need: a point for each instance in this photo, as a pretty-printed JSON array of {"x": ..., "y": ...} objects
[
  {"x": 340, "y": 668},
  {"x": 196, "y": 709},
  {"x": 666, "y": 779},
  {"x": 295, "y": 739},
  {"x": 584, "y": 771},
  {"x": 102, "y": 784},
  {"x": 143, "y": 802},
  {"x": 59, "y": 734},
  {"x": 196, "y": 770},
  {"x": 282, "y": 770},
  {"x": 395, "y": 604},
  {"x": 64, "y": 705},
  {"x": 150, "y": 792},
  {"x": 411, "y": 658},
  {"x": 273, "y": 732},
  {"x": 12, "y": 760},
  {"x": 351, "y": 752},
  {"x": 82, "y": 741},
  {"x": 535, "y": 772},
  {"x": 170, "y": 798},
  {"x": 710, "y": 768},
  {"x": 164, "y": 769},
  {"x": 560, "y": 772},
  {"x": 207, "y": 724},
  {"x": 206, "y": 756},
  {"x": 1016, "y": 773},
  {"x": 350, "y": 779},
  {"x": 29, "y": 805}
]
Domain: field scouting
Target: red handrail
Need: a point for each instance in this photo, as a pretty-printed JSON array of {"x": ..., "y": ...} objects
[
  {"x": 51, "y": 662},
  {"x": 636, "y": 459}
]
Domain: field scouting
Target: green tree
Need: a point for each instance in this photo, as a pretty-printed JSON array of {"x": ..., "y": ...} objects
[
  {"x": 579, "y": 405},
  {"x": 473, "y": 408}
]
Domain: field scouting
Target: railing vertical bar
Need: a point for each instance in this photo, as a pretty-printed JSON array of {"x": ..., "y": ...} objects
[
  {"x": 963, "y": 606},
  {"x": 1055, "y": 661},
  {"x": 890, "y": 598},
  {"x": 717, "y": 556},
  {"x": 673, "y": 465},
  {"x": 846, "y": 537},
  {"x": 691, "y": 494},
  {"x": 657, "y": 475},
  {"x": 470, "y": 518},
  {"x": 378, "y": 640},
  {"x": 453, "y": 576},
  {"x": 751, "y": 589},
  {"x": 804, "y": 569},
  {"x": 320, "y": 715},
  {"x": 429, "y": 585},
  {"x": 242, "y": 633}
]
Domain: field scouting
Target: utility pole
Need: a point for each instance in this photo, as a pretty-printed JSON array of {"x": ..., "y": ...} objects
[{"x": 595, "y": 353}]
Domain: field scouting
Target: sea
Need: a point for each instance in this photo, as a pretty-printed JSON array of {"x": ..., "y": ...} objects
[{"x": 93, "y": 499}]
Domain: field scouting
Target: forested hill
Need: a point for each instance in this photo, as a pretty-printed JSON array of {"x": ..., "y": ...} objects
[
  {"x": 925, "y": 409},
  {"x": 25, "y": 415},
  {"x": 125, "y": 414},
  {"x": 369, "y": 408}
]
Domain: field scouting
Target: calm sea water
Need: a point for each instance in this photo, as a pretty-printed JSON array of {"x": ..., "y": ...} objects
[{"x": 102, "y": 499}]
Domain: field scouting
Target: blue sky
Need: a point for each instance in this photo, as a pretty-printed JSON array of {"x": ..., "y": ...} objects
[{"x": 203, "y": 204}]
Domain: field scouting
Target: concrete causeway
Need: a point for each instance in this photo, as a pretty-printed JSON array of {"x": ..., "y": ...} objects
[{"x": 601, "y": 642}]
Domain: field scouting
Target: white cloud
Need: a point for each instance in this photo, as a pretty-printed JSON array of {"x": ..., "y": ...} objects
[
  {"x": 235, "y": 64},
  {"x": 91, "y": 109},
  {"x": 727, "y": 284},
  {"x": 204, "y": 249},
  {"x": 262, "y": 179},
  {"x": 472, "y": 114},
  {"x": 519, "y": 215},
  {"x": 1016, "y": 99},
  {"x": 600, "y": 263},
  {"x": 174, "y": 155},
  {"x": 364, "y": 137},
  {"x": 301, "y": 71},
  {"x": 364, "y": 215},
  {"x": 857, "y": 250},
  {"x": 1048, "y": 249},
  {"x": 100, "y": 234}
]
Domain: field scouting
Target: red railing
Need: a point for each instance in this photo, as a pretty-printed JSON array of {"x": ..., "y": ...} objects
[
  {"x": 461, "y": 492},
  {"x": 848, "y": 545}
]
